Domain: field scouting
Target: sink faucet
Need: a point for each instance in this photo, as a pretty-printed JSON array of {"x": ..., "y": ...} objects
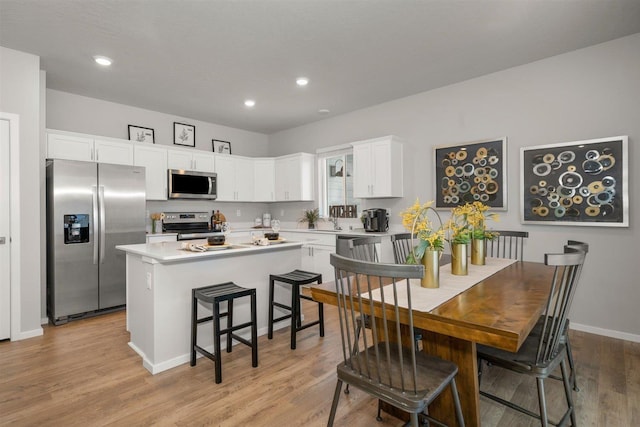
[{"x": 335, "y": 223}]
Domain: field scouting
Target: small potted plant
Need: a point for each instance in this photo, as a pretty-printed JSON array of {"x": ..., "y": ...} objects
[{"x": 311, "y": 217}]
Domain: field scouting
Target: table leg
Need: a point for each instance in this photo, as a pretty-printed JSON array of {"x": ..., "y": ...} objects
[{"x": 463, "y": 354}]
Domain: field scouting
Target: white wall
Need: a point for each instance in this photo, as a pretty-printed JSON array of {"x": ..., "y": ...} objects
[
  {"x": 20, "y": 94},
  {"x": 75, "y": 113},
  {"x": 585, "y": 94}
]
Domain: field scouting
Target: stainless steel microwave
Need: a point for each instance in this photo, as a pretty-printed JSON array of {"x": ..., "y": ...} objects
[{"x": 185, "y": 184}]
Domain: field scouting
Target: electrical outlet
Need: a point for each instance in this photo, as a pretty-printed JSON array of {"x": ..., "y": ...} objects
[
  {"x": 282, "y": 212},
  {"x": 238, "y": 212}
]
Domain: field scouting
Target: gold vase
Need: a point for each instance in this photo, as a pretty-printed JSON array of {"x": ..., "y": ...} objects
[
  {"x": 459, "y": 259},
  {"x": 478, "y": 251},
  {"x": 431, "y": 262}
]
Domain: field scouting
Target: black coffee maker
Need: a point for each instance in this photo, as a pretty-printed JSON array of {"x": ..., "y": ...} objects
[{"x": 375, "y": 220}]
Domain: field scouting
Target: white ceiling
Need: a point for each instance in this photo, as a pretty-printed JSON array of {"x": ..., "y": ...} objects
[{"x": 201, "y": 59}]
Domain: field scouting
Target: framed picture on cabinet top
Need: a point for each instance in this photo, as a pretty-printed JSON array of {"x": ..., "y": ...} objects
[
  {"x": 221, "y": 147},
  {"x": 576, "y": 183},
  {"x": 184, "y": 134},
  {"x": 472, "y": 171},
  {"x": 141, "y": 134}
]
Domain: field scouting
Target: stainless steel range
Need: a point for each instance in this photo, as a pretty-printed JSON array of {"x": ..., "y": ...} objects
[{"x": 189, "y": 225}]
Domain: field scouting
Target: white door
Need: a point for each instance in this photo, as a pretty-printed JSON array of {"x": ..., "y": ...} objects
[{"x": 5, "y": 249}]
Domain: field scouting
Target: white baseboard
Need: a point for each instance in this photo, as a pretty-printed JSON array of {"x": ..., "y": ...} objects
[
  {"x": 28, "y": 334},
  {"x": 606, "y": 332},
  {"x": 155, "y": 368}
]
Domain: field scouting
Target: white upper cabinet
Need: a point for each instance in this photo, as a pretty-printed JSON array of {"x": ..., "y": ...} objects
[
  {"x": 377, "y": 168},
  {"x": 264, "y": 189},
  {"x": 294, "y": 177},
  {"x": 89, "y": 149},
  {"x": 239, "y": 179},
  {"x": 107, "y": 151},
  {"x": 235, "y": 177},
  {"x": 193, "y": 161},
  {"x": 154, "y": 159}
]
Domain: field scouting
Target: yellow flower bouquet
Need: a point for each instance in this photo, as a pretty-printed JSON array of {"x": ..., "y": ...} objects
[
  {"x": 477, "y": 218},
  {"x": 415, "y": 219},
  {"x": 468, "y": 222}
]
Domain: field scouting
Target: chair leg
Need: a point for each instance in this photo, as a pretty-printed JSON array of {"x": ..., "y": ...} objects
[
  {"x": 543, "y": 403},
  {"x": 254, "y": 332},
  {"x": 216, "y": 341},
  {"x": 572, "y": 379},
  {"x": 270, "y": 330},
  {"x": 334, "y": 404},
  {"x": 456, "y": 403},
  {"x": 567, "y": 392},
  {"x": 194, "y": 326},
  {"x": 321, "y": 318},
  {"x": 295, "y": 313},
  {"x": 414, "y": 419},
  {"x": 229, "y": 323},
  {"x": 321, "y": 313},
  {"x": 379, "y": 416}
]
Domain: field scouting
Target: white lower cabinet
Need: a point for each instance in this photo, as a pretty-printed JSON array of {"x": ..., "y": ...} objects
[
  {"x": 315, "y": 252},
  {"x": 158, "y": 238},
  {"x": 315, "y": 258}
]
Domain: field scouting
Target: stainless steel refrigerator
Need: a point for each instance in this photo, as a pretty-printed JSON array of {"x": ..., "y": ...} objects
[{"x": 91, "y": 208}]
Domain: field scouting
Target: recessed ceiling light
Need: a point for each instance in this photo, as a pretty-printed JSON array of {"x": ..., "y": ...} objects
[
  {"x": 103, "y": 60},
  {"x": 323, "y": 111},
  {"x": 249, "y": 103},
  {"x": 302, "y": 81}
]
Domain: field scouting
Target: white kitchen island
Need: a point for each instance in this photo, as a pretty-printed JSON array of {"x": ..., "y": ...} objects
[{"x": 160, "y": 277}]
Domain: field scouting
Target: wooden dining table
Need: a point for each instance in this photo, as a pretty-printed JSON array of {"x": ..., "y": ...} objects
[{"x": 499, "y": 311}]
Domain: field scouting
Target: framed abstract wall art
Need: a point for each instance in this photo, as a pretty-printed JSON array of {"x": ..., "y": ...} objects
[
  {"x": 469, "y": 172},
  {"x": 576, "y": 183}
]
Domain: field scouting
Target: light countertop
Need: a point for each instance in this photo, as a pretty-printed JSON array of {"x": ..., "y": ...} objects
[{"x": 172, "y": 251}]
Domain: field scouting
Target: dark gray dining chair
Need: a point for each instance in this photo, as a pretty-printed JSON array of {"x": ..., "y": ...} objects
[
  {"x": 571, "y": 246},
  {"x": 401, "y": 243},
  {"x": 365, "y": 248},
  {"x": 402, "y": 246},
  {"x": 508, "y": 244},
  {"x": 378, "y": 363},
  {"x": 544, "y": 349}
]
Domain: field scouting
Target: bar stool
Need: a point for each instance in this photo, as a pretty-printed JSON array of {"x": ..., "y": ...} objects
[
  {"x": 296, "y": 279},
  {"x": 215, "y": 294}
]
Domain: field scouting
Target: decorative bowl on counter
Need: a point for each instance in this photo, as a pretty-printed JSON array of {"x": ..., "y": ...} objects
[
  {"x": 215, "y": 240},
  {"x": 272, "y": 236}
]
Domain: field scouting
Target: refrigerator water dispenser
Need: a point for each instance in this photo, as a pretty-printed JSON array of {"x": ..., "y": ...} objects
[{"x": 76, "y": 228}]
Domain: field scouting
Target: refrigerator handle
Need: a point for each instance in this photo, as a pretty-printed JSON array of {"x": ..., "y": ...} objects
[
  {"x": 102, "y": 223},
  {"x": 94, "y": 193}
]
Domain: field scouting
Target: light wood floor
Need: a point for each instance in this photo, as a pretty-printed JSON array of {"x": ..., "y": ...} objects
[{"x": 84, "y": 374}]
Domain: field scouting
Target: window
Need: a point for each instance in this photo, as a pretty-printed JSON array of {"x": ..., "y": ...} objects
[{"x": 336, "y": 178}]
